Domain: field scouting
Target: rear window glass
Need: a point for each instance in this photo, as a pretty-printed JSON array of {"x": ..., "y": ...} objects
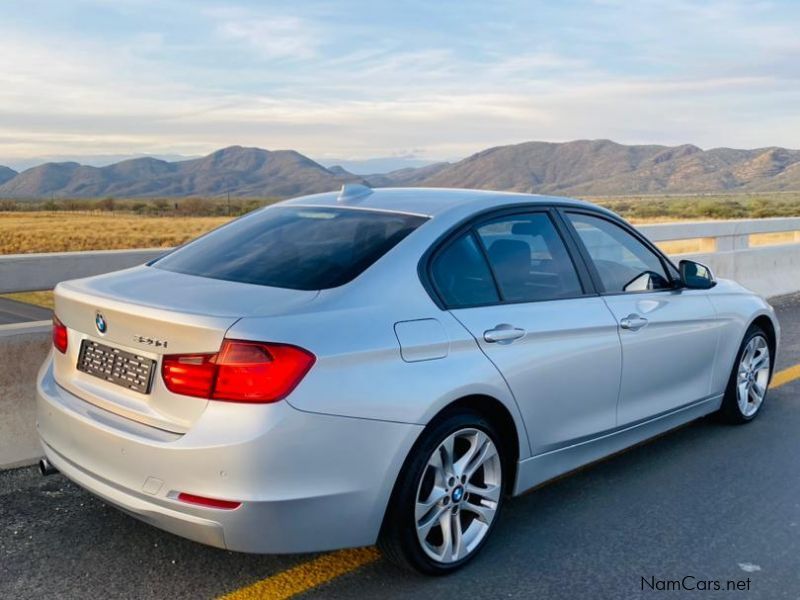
[{"x": 300, "y": 248}]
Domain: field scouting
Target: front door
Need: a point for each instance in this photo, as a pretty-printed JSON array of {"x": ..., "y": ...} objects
[{"x": 668, "y": 334}]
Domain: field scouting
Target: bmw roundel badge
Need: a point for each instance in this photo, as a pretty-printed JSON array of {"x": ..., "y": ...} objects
[{"x": 100, "y": 323}]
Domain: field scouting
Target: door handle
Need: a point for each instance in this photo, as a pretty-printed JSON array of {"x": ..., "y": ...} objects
[
  {"x": 503, "y": 334},
  {"x": 633, "y": 322}
]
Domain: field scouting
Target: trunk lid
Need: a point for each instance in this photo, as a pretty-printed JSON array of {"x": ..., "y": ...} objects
[{"x": 151, "y": 312}]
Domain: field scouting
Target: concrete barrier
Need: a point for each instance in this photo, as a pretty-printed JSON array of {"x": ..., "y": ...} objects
[
  {"x": 23, "y": 348},
  {"x": 768, "y": 270},
  {"x": 32, "y": 272}
]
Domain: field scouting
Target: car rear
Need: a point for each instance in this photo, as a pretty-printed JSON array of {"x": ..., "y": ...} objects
[{"x": 148, "y": 402}]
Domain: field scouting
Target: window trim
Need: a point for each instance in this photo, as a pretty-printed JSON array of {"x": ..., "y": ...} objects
[
  {"x": 666, "y": 263},
  {"x": 470, "y": 224}
]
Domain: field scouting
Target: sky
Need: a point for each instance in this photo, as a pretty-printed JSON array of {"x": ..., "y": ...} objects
[{"x": 428, "y": 80}]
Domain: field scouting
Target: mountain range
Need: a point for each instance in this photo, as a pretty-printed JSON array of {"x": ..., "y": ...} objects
[{"x": 582, "y": 167}]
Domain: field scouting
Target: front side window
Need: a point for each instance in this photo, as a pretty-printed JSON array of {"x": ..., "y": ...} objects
[
  {"x": 623, "y": 263},
  {"x": 529, "y": 259},
  {"x": 295, "y": 247}
]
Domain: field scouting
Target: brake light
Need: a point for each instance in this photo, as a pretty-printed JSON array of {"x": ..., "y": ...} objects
[
  {"x": 208, "y": 502},
  {"x": 60, "y": 339},
  {"x": 242, "y": 371}
]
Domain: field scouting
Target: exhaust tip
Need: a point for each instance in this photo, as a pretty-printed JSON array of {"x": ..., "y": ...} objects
[{"x": 45, "y": 468}]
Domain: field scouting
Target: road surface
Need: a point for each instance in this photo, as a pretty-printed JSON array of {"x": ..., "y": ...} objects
[{"x": 12, "y": 311}]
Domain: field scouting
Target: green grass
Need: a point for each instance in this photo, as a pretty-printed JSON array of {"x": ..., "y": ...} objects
[{"x": 702, "y": 206}]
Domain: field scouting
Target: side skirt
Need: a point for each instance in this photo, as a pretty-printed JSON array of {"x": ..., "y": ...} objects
[{"x": 543, "y": 467}]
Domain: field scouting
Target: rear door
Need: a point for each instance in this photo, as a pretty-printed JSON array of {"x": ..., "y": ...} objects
[
  {"x": 668, "y": 334},
  {"x": 511, "y": 281}
]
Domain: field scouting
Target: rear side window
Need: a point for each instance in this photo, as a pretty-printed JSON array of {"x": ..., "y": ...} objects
[
  {"x": 294, "y": 247},
  {"x": 529, "y": 258},
  {"x": 462, "y": 276}
]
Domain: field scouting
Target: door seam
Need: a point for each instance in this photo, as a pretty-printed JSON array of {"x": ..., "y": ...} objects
[
  {"x": 621, "y": 361},
  {"x": 508, "y": 387}
]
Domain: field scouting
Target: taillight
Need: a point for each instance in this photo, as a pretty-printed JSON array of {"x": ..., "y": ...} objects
[
  {"x": 60, "y": 339},
  {"x": 242, "y": 371}
]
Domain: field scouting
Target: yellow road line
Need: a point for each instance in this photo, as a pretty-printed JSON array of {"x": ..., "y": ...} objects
[
  {"x": 306, "y": 576},
  {"x": 782, "y": 377}
]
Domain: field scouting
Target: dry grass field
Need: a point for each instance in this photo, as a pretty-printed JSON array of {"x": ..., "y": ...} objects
[
  {"x": 64, "y": 231},
  {"x": 25, "y": 232},
  {"x": 44, "y": 299}
]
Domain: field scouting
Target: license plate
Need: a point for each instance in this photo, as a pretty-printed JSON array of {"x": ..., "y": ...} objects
[{"x": 125, "y": 369}]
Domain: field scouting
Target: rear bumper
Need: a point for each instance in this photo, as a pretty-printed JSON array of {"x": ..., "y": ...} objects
[{"x": 307, "y": 482}]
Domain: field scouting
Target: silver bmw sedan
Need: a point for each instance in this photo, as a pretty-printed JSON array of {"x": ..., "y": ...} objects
[{"x": 386, "y": 365}]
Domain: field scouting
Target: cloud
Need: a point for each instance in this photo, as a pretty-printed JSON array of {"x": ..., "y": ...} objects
[
  {"x": 355, "y": 84},
  {"x": 272, "y": 37}
]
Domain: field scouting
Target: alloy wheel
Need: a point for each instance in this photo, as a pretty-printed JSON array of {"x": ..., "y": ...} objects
[
  {"x": 752, "y": 377},
  {"x": 458, "y": 495}
]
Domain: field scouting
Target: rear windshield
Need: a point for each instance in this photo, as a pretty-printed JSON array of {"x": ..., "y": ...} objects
[{"x": 293, "y": 247}]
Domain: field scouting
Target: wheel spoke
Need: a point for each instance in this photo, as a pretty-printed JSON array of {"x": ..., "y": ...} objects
[
  {"x": 434, "y": 518},
  {"x": 760, "y": 362},
  {"x": 747, "y": 358},
  {"x": 490, "y": 492},
  {"x": 741, "y": 395},
  {"x": 753, "y": 396},
  {"x": 758, "y": 389},
  {"x": 487, "y": 453},
  {"x": 457, "y": 534},
  {"x": 446, "y": 455},
  {"x": 484, "y": 513},
  {"x": 477, "y": 443},
  {"x": 425, "y": 506},
  {"x": 446, "y": 549}
]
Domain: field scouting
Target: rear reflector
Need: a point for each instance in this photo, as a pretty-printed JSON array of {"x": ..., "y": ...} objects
[
  {"x": 208, "y": 502},
  {"x": 242, "y": 371},
  {"x": 60, "y": 339}
]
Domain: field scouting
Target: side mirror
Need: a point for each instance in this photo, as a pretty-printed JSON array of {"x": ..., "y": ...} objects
[{"x": 696, "y": 276}]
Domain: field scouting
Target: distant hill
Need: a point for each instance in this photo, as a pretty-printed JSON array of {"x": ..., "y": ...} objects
[
  {"x": 241, "y": 171},
  {"x": 603, "y": 167},
  {"x": 407, "y": 176},
  {"x": 583, "y": 167},
  {"x": 6, "y": 174}
]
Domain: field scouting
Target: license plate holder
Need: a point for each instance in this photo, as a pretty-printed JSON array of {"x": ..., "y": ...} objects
[{"x": 125, "y": 369}]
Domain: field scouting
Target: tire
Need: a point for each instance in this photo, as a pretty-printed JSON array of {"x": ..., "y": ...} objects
[
  {"x": 750, "y": 377},
  {"x": 465, "y": 498}
]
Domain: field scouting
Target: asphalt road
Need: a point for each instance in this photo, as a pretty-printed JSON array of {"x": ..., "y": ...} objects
[
  {"x": 12, "y": 311},
  {"x": 707, "y": 501}
]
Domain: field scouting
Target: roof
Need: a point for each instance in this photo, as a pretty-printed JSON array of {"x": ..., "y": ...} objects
[{"x": 428, "y": 201}]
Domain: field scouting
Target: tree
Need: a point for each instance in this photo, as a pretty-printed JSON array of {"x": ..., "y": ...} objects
[{"x": 106, "y": 204}]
